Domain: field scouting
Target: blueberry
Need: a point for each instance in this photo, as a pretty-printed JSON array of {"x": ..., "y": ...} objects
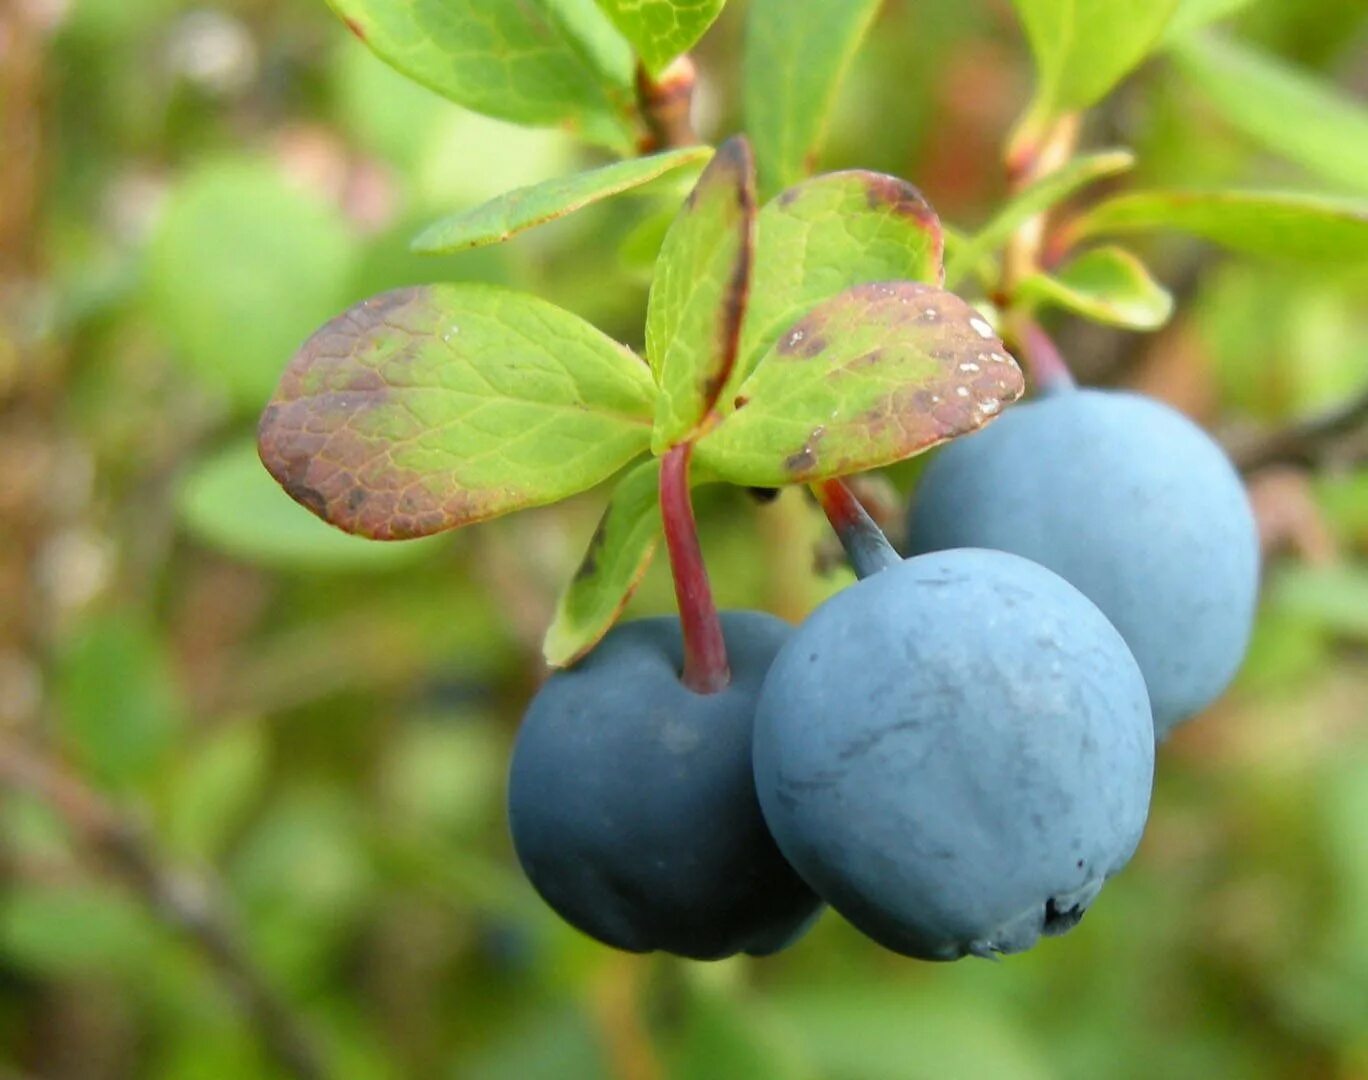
[
  {"x": 1131, "y": 503},
  {"x": 632, "y": 800},
  {"x": 955, "y": 753}
]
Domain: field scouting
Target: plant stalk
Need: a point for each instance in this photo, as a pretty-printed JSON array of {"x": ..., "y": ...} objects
[
  {"x": 666, "y": 105},
  {"x": 705, "y": 652},
  {"x": 865, "y": 544}
]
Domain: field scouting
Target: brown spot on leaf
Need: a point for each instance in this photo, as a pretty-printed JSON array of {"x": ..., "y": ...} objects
[
  {"x": 804, "y": 461},
  {"x": 589, "y": 564},
  {"x": 740, "y": 401},
  {"x": 805, "y": 339},
  {"x": 356, "y": 28}
]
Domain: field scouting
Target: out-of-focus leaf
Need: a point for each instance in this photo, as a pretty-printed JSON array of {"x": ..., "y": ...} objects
[
  {"x": 1286, "y": 111},
  {"x": 661, "y": 30},
  {"x": 872, "y": 1032},
  {"x": 560, "y": 1043},
  {"x": 517, "y": 211},
  {"x": 698, "y": 297},
  {"x": 1041, "y": 196},
  {"x": 119, "y": 709},
  {"x": 1333, "y": 233},
  {"x": 618, "y": 554},
  {"x": 797, "y": 53},
  {"x": 544, "y": 62},
  {"x": 230, "y": 502},
  {"x": 443, "y": 773},
  {"x": 1083, "y": 48},
  {"x": 303, "y": 879},
  {"x": 1195, "y": 14},
  {"x": 726, "y": 1034},
  {"x": 874, "y": 375},
  {"x": 424, "y": 409},
  {"x": 827, "y": 234},
  {"x": 511, "y": 156},
  {"x": 1336, "y": 598},
  {"x": 640, "y": 248},
  {"x": 213, "y": 789},
  {"x": 1107, "y": 285},
  {"x": 56, "y": 930},
  {"x": 241, "y": 268}
]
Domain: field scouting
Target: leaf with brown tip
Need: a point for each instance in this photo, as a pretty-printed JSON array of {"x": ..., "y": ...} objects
[
  {"x": 874, "y": 375},
  {"x": 698, "y": 297},
  {"x": 428, "y": 408}
]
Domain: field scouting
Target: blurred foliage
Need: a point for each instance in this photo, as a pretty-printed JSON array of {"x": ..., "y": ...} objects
[{"x": 319, "y": 727}]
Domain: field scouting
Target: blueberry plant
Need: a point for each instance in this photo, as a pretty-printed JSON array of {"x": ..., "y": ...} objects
[{"x": 955, "y": 752}]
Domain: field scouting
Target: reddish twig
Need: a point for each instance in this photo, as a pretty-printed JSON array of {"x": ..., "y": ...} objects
[
  {"x": 667, "y": 105},
  {"x": 865, "y": 544},
  {"x": 705, "y": 652}
]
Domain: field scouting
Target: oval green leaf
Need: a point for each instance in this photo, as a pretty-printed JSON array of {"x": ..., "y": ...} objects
[
  {"x": 1043, "y": 195},
  {"x": 797, "y": 53},
  {"x": 823, "y": 236},
  {"x": 698, "y": 296},
  {"x": 618, "y": 554},
  {"x": 867, "y": 378},
  {"x": 242, "y": 265},
  {"x": 424, "y": 409},
  {"x": 524, "y": 208},
  {"x": 1332, "y": 233},
  {"x": 1108, "y": 285},
  {"x": 661, "y": 30},
  {"x": 539, "y": 62},
  {"x": 1193, "y": 15},
  {"x": 1284, "y": 110},
  {"x": 1083, "y": 48}
]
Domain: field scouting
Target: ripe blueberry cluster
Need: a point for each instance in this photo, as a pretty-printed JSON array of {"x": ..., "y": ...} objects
[{"x": 954, "y": 753}]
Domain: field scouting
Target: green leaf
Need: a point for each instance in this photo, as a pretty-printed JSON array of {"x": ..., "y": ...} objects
[
  {"x": 1329, "y": 232},
  {"x": 517, "y": 211},
  {"x": 619, "y": 553},
  {"x": 1194, "y": 14},
  {"x": 870, "y": 1029},
  {"x": 1284, "y": 110},
  {"x": 229, "y": 502},
  {"x": 541, "y": 62},
  {"x": 73, "y": 929},
  {"x": 797, "y": 53},
  {"x": 1039, "y": 197},
  {"x": 826, "y": 234},
  {"x": 1332, "y": 597},
  {"x": 698, "y": 297},
  {"x": 1107, "y": 285},
  {"x": 661, "y": 30},
  {"x": 211, "y": 793},
  {"x": 867, "y": 378},
  {"x": 428, "y": 408},
  {"x": 1083, "y": 48},
  {"x": 241, "y": 267},
  {"x": 120, "y": 710}
]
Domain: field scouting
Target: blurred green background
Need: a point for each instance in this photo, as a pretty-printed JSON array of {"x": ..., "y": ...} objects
[{"x": 252, "y": 770}]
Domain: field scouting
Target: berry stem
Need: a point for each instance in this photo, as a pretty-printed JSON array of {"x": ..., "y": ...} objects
[
  {"x": 865, "y": 544},
  {"x": 705, "y": 652},
  {"x": 1047, "y": 366}
]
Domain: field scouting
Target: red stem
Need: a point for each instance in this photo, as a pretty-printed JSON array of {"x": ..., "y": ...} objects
[
  {"x": 1049, "y": 370},
  {"x": 705, "y": 653},
  {"x": 865, "y": 544}
]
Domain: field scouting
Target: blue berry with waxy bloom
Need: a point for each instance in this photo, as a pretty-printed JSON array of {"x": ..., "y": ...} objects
[
  {"x": 632, "y": 799},
  {"x": 956, "y": 753}
]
